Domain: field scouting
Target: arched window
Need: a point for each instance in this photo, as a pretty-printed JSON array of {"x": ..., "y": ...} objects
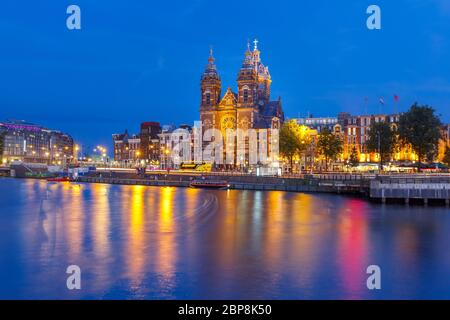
[
  {"x": 208, "y": 98},
  {"x": 245, "y": 95}
]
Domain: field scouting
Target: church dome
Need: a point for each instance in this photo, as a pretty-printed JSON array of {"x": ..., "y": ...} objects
[{"x": 210, "y": 69}]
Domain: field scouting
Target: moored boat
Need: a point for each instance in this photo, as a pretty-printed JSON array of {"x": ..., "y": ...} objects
[{"x": 210, "y": 184}]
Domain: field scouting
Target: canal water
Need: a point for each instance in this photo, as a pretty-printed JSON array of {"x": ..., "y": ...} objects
[{"x": 134, "y": 242}]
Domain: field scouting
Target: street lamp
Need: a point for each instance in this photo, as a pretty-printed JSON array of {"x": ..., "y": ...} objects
[
  {"x": 167, "y": 158},
  {"x": 379, "y": 150}
]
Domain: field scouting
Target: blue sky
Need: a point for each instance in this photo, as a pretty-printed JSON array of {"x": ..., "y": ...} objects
[{"x": 141, "y": 60}]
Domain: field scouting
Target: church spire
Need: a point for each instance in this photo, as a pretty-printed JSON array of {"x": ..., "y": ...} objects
[
  {"x": 248, "y": 60},
  {"x": 211, "y": 69},
  {"x": 211, "y": 56},
  {"x": 210, "y": 83},
  {"x": 255, "y": 42},
  {"x": 256, "y": 53}
]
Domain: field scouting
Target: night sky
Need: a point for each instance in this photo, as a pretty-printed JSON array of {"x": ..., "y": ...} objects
[{"x": 141, "y": 60}]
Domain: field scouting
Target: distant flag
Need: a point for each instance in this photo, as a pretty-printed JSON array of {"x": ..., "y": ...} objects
[
  {"x": 382, "y": 101},
  {"x": 396, "y": 99}
]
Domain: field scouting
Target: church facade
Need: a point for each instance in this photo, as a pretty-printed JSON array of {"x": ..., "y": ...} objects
[{"x": 250, "y": 107}]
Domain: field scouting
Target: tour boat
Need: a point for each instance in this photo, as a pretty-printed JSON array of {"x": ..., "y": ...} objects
[
  {"x": 210, "y": 184},
  {"x": 59, "y": 179}
]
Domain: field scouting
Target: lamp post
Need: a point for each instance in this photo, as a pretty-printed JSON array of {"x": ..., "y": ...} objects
[
  {"x": 138, "y": 154},
  {"x": 77, "y": 149},
  {"x": 379, "y": 150},
  {"x": 167, "y": 159},
  {"x": 102, "y": 154}
]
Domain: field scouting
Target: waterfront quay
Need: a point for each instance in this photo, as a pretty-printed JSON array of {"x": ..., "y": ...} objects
[
  {"x": 385, "y": 188},
  {"x": 415, "y": 188},
  {"x": 425, "y": 188},
  {"x": 339, "y": 183},
  {"x": 5, "y": 171}
]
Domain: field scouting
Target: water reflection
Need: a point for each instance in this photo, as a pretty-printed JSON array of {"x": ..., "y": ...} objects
[
  {"x": 352, "y": 248},
  {"x": 166, "y": 249},
  {"x": 136, "y": 243},
  {"x": 101, "y": 222},
  {"x": 146, "y": 242}
]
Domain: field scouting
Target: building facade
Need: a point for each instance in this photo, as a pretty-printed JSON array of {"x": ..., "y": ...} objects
[
  {"x": 31, "y": 143},
  {"x": 135, "y": 149},
  {"x": 250, "y": 107},
  {"x": 318, "y": 124},
  {"x": 356, "y": 135},
  {"x": 354, "y": 131},
  {"x": 176, "y": 146},
  {"x": 149, "y": 142},
  {"x": 127, "y": 148}
]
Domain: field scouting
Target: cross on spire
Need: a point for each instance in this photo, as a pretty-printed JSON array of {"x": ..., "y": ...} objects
[
  {"x": 255, "y": 42},
  {"x": 211, "y": 57}
]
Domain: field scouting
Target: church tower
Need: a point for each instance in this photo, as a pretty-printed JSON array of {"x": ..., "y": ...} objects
[
  {"x": 247, "y": 81},
  {"x": 249, "y": 108},
  {"x": 211, "y": 85},
  {"x": 263, "y": 76}
]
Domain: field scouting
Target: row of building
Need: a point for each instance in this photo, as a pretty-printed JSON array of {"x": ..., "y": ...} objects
[
  {"x": 354, "y": 130},
  {"x": 250, "y": 107},
  {"x": 31, "y": 143},
  {"x": 131, "y": 149},
  {"x": 154, "y": 144}
]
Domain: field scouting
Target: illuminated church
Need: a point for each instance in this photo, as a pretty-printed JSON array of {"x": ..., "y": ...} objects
[{"x": 250, "y": 107}]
